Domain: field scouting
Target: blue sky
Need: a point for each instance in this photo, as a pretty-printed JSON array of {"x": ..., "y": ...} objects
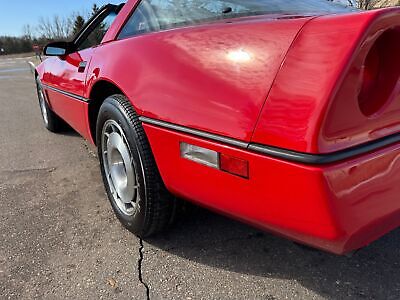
[{"x": 15, "y": 14}]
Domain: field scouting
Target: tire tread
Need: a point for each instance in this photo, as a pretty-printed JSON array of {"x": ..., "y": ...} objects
[{"x": 160, "y": 204}]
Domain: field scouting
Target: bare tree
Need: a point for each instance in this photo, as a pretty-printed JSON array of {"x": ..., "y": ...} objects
[
  {"x": 56, "y": 28},
  {"x": 27, "y": 32}
]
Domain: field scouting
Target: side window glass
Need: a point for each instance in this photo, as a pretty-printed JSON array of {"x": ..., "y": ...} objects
[
  {"x": 140, "y": 22},
  {"x": 96, "y": 36}
]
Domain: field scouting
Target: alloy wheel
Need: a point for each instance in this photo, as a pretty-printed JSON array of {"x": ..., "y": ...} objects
[{"x": 119, "y": 167}]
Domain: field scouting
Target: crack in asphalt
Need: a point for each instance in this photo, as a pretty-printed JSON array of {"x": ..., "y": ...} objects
[{"x": 140, "y": 264}]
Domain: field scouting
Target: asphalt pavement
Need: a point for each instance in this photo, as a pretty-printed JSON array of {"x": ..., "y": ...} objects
[{"x": 60, "y": 240}]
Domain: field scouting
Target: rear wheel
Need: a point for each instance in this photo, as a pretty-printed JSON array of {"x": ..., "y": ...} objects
[
  {"x": 51, "y": 121},
  {"x": 132, "y": 181}
]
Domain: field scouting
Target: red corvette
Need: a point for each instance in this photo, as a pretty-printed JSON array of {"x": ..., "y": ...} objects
[{"x": 282, "y": 114}]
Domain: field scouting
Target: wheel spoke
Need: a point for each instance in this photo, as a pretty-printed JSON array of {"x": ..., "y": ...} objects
[{"x": 114, "y": 128}]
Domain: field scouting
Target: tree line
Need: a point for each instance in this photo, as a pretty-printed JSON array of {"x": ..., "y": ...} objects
[{"x": 48, "y": 29}]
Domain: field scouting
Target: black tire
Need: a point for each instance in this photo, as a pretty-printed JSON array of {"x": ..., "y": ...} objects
[
  {"x": 154, "y": 207},
  {"x": 51, "y": 121}
]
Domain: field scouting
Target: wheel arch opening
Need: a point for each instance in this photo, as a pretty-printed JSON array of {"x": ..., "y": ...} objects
[{"x": 100, "y": 92}]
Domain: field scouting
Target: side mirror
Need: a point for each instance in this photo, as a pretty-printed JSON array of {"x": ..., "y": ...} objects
[{"x": 58, "y": 49}]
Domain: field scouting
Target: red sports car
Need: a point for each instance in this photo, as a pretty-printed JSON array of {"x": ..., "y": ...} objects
[{"x": 282, "y": 114}]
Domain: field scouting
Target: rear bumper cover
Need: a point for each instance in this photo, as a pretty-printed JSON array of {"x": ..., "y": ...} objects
[{"x": 337, "y": 207}]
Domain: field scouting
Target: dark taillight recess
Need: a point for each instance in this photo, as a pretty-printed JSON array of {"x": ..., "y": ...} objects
[{"x": 380, "y": 73}]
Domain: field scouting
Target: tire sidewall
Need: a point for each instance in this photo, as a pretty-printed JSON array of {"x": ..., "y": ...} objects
[
  {"x": 112, "y": 110},
  {"x": 54, "y": 123},
  {"x": 38, "y": 89}
]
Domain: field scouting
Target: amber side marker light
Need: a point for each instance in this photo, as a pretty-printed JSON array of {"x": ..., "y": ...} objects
[{"x": 216, "y": 160}]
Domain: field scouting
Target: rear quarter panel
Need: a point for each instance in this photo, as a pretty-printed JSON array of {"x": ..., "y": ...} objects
[
  {"x": 213, "y": 77},
  {"x": 313, "y": 105}
]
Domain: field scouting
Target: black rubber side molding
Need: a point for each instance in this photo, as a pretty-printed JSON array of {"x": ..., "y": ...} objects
[
  {"x": 321, "y": 159},
  {"x": 284, "y": 154}
]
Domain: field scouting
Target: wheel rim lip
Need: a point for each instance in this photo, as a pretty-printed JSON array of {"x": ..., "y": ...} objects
[
  {"x": 119, "y": 168},
  {"x": 43, "y": 107}
]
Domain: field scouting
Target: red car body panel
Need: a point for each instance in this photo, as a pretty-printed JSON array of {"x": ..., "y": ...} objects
[
  {"x": 314, "y": 98},
  {"x": 291, "y": 82},
  {"x": 63, "y": 74},
  {"x": 198, "y": 66},
  {"x": 338, "y": 208}
]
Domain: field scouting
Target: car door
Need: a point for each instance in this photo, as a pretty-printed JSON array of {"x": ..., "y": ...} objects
[{"x": 65, "y": 78}]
